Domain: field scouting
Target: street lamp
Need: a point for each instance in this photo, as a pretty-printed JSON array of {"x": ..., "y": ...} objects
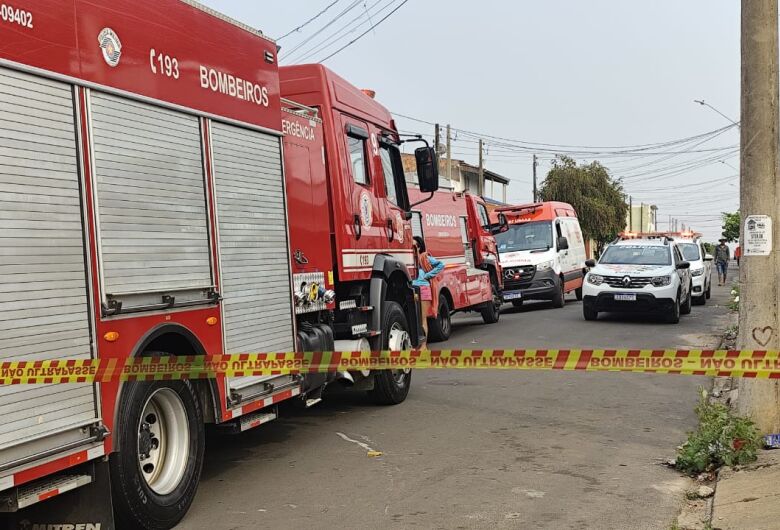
[{"x": 705, "y": 104}]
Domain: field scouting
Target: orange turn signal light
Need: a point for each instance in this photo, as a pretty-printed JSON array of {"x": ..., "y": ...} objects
[
  {"x": 111, "y": 336},
  {"x": 211, "y": 321}
]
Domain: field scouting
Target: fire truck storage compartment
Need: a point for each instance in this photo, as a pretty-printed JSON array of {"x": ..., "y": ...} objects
[
  {"x": 44, "y": 310},
  {"x": 254, "y": 256},
  {"x": 151, "y": 203}
]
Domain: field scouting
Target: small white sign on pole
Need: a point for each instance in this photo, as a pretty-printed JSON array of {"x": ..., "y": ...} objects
[{"x": 758, "y": 236}]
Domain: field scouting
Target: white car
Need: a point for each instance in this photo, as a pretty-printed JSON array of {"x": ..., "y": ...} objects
[
  {"x": 701, "y": 267},
  {"x": 638, "y": 275}
]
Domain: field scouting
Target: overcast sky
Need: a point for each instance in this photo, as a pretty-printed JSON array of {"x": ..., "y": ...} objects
[{"x": 568, "y": 73}]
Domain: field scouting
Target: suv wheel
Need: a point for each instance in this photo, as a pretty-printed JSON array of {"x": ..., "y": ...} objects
[
  {"x": 674, "y": 316},
  {"x": 685, "y": 309},
  {"x": 708, "y": 293},
  {"x": 589, "y": 313}
]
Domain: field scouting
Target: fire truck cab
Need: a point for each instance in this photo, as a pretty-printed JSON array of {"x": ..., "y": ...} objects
[{"x": 457, "y": 230}]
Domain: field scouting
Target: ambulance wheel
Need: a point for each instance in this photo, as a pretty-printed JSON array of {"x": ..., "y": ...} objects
[
  {"x": 156, "y": 468},
  {"x": 392, "y": 386},
  {"x": 559, "y": 298},
  {"x": 517, "y": 303},
  {"x": 440, "y": 328}
]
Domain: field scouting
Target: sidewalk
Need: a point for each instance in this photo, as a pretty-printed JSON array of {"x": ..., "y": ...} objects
[{"x": 749, "y": 499}]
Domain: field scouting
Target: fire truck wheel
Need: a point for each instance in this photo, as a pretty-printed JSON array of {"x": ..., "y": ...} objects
[
  {"x": 392, "y": 386},
  {"x": 156, "y": 468},
  {"x": 440, "y": 328}
]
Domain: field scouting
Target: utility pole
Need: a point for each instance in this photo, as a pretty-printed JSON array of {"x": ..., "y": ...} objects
[
  {"x": 481, "y": 178},
  {"x": 536, "y": 192},
  {"x": 436, "y": 140},
  {"x": 630, "y": 214},
  {"x": 758, "y": 319},
  {"x": 449, "y": 154},
  {"x": 641, "y": 216}
]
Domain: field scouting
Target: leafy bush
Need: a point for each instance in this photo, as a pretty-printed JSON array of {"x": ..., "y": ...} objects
[{"x": 722, "y": 439}]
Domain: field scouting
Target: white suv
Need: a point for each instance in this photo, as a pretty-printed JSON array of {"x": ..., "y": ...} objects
[
  {"x": 701, "y": 267},
  {"x": 638, "y": 275}
]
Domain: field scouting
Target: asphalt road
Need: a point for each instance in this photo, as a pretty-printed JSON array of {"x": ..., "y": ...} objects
[{"x": 477, "y": 449}]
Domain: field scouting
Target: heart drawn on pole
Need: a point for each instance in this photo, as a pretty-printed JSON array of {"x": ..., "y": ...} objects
[{"x": 763, "y": 335}]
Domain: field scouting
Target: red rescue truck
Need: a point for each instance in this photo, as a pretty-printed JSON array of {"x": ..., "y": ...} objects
[
  {"x": 457, "y": 230},
  {"x": 159, "y": 196}
]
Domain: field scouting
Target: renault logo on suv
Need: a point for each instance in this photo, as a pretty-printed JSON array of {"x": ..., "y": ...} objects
[{"x": 626, "y": 281}]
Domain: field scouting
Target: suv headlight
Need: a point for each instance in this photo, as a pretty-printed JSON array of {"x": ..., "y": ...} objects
[
  {"x": 697, "y": 272},
  {"x": 660, "y": 281},
  {"x": 595, "y": 279},
  {"x": 543, "y": 266}
]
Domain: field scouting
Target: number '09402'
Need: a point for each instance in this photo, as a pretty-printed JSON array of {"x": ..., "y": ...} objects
[
  {"x": 9, "y": 13},
  {"x": 163, "y": 64}
]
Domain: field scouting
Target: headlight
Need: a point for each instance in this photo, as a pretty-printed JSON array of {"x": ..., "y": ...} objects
[
  {"x": 595, "y": 279},
  {"x": 543, "y": 266},
  {"x": 660, "y": 281},
  {"x": 697, "y": 272}
]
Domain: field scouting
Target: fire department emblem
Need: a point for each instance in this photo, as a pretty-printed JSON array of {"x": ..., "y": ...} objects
[
  {"x": 366, "y": 210},
  {"x": 111, "y": 46}
]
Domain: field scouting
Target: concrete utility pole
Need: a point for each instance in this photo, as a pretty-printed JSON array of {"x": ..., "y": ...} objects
[
  {"x": 449, "y": 154},
  {"x": 536, "y": 192},
  {"x": 436, "y": 140},
  {"x": 630, "y": 214},
  {"x": 758, "y": 318},
  {"x": 641, "y": 216},
  {"x": 481, "y": 178}
]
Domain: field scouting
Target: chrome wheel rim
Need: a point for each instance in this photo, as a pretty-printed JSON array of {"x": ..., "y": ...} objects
[
  {"x": 163, "y": 441},
  {"x": 398, "y": 340}
]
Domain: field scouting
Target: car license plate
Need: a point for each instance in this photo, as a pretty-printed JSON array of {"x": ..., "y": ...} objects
[
  {"x": 625, "y": 297},
  {"x": 513, "y": 295}
]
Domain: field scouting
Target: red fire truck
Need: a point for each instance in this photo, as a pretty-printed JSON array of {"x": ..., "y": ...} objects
[
  {"x": 457, "y": 230},
  {"x": 159, "y": 196}
]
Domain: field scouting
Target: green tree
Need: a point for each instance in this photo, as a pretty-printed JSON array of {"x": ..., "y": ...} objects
[
  {"x": 731, "y": 223},
  {"x": 598, "y": 198}
]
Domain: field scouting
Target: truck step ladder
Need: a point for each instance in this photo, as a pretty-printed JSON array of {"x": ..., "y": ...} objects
[{"x": 51, "y": 487}]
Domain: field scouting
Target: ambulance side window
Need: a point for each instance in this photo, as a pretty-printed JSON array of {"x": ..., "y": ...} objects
[{"x": 357, "y": 157}]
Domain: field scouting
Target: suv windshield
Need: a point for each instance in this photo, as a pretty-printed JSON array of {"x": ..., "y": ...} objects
[
  {"x": 526, "y": 236},
  {"x": 690, "y": 251},
  {"x": 636, "y": 255}
]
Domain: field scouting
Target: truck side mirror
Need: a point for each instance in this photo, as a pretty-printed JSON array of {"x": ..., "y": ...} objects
[
  {"x": 501, "y": 226},
  {"x": 563, "y": 243},
  {"x": 427, "y": 169},
  {"x": 708, "y": 257}
]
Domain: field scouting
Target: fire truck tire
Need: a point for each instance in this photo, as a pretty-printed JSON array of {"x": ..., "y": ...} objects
[
  {"x": 392, "y": 386},
  {"x": 156, "y": 468},
  {"x": 490, "y": 313},
  {"x": 440, "y": 328}
]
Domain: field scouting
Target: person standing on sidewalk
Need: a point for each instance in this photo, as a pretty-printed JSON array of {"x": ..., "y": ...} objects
[
  {"x": 738, "y": 254},
  {"x": 722, "y": 257},
  {"x": 427, "y": 269}
]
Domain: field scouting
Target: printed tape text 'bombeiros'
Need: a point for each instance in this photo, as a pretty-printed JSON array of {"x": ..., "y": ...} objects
[{"x": 760, "y": 364}]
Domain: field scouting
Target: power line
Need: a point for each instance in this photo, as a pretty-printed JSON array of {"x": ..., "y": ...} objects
[
  {"x": 341, "y": 33},
  {"x": 335, "y": 19},
  {"x": 312, "y": 19},
  {"x": 353, "y": 41}
]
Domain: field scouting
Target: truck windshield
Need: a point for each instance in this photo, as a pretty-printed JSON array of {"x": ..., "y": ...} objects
[
  {"x": 636, "y": 255},
  {"x": 690, "y": 251},
  {"x": 526, "y": 236}
]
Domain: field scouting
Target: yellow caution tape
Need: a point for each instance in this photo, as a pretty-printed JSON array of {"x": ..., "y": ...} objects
[{"x": 761, "y": 364}]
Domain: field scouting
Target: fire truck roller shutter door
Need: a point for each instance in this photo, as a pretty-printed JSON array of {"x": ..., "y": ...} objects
[
  {"x": 253, "y": 245},
  {"x": 44, "y": 311},
  {"x": 150, "y": 201}
]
